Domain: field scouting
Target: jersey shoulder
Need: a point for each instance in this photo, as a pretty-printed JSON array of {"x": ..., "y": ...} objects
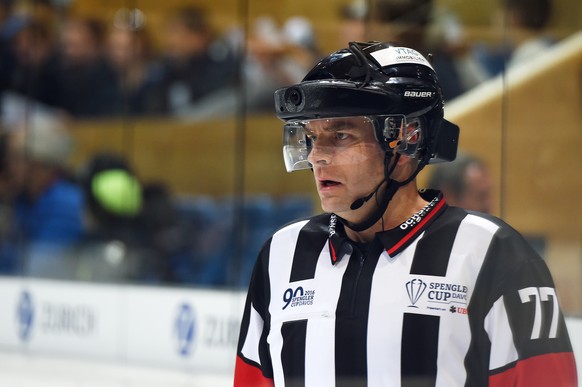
[
  {"x": 315, "y": 224},
  {"x": 507, "y": 237}
]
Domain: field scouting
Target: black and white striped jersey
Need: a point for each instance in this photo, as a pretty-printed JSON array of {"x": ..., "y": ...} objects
[{"x": 448, "y": 298}]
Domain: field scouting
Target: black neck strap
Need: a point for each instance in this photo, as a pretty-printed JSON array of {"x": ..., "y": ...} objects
[{"x": 391, "y": 188}]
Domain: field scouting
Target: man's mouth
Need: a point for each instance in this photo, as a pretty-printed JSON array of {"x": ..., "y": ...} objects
[{"x": 329, "y": 183}]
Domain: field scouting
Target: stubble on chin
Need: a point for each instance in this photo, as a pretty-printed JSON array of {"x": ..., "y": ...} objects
[{"x": 332, "y": 205}]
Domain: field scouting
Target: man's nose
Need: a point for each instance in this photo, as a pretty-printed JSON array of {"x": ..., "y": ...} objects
[{"x": 320, "y": 154}]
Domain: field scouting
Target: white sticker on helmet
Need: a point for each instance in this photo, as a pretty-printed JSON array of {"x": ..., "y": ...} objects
[{"x": 398, "y": 55}]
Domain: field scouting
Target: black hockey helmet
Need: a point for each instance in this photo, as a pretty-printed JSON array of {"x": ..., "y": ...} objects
[{"x": 394, "y": 86}]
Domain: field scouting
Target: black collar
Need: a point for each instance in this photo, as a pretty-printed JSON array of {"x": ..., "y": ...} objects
[
  {"x": 398, "y": 238},
  {"x": 394, "y": 240}
]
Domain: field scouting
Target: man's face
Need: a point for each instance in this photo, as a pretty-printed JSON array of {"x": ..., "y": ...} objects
[
  {"x": 478, "y": 190},
  {"x": 181, "y": 42},
  {"x": 348, "y": 162},
  {"x": 78, "y": 44}
]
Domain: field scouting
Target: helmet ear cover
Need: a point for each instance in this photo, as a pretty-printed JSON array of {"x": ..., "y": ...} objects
[{"x": 444, "y": 143}]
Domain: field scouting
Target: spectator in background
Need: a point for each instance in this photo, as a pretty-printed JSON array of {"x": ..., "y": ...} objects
[
  {"x": 302, "y": 47},
  {"x": 523, "y": 27},
  {"x": 276, "y": 57},
  {"x": 527, "y": 21},
  {"x": 114, "y": 248},
  {"x": 291, "y": 49},
  {"x": 465, "y": 183},
  {"x": 432, "y": 30},
  {"x": 49, "y": 209},
  {"x": 189, "y": 245},
  {"x": 10, "y": 163},
  {"x": 83, "y": 83},
  {"x": 353, "y": 22},
  {"x": 10, "y": 23},
  {"x": 131, "y": 52},
  {"x": 135, "y": 232},
  {"x": 196, "y": 63},
  {"x": 34, "y": 50}
]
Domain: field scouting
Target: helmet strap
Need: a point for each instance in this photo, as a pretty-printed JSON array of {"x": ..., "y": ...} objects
[{"x": 391, "y": 187}]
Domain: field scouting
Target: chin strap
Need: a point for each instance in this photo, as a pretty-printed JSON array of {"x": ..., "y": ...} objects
[{"x": 391, "y": 187}]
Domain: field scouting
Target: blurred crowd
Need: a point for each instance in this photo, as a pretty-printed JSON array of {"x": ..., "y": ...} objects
[
  {"x": 88, "y": 67},
  {"x": 102, "y": 222},
  {"x": 91, "y": 67}
]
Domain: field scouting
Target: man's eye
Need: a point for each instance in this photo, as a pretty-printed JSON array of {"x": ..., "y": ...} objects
[{"x": 341, "y": 136}]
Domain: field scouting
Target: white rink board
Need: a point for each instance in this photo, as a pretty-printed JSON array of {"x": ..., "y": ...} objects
[
  {"x": 65, "y": 318},
  {"x": 154, "y": 313},
  {"x": 176, "y": 329}
]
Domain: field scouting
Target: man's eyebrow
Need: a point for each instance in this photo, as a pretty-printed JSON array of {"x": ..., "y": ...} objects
[{"x": 344, "y": 125}]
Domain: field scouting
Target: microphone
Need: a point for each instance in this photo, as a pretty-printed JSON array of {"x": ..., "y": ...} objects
[{"x": 361, "y": 201}]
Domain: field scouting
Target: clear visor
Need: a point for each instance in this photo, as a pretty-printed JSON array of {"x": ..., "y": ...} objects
[
  {"x": 296, "y": 147},
  {"x": 329, "y": 136},
  {"x": 402, "y": 133}
]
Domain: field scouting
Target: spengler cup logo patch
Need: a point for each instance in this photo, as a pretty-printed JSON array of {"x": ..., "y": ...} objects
[
  {"x": 428, "y": 294},
  {"x": 399, "y": 55}
]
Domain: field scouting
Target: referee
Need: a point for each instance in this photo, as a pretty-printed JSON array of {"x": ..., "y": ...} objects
[{"x": 391, "y": 286}]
